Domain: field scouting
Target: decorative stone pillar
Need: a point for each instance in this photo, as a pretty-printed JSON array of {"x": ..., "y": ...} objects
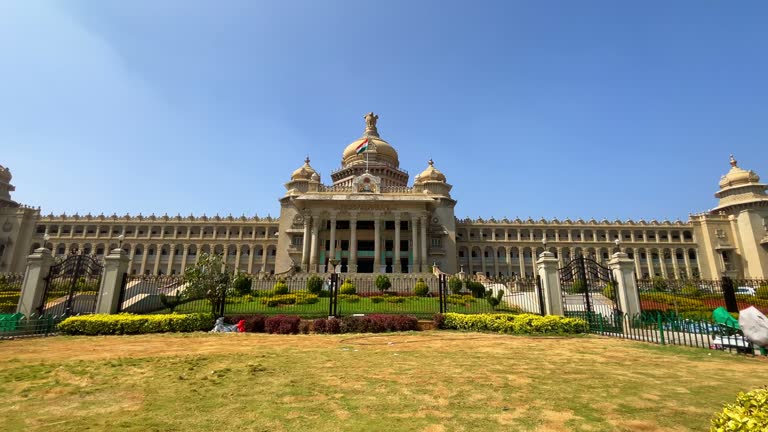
[
  {"x": 144, "y": 257},
  {"x": 377, "y": 244},
  {"x": 414, "y": 245},
  {"x": 184, "y": 257},
  {"x": 675, "y": 266},
  {"x": 396, "y": 268},
  {"x": 32, "y": 289},
  {"x": 115, "y": 266},
  {"x": 305, "y": 245},
  {"x": 251, "y": 255},
  {"x": 171, "y": 254},
  {"x": 238, "y": 251},
  {"x": 332, "y": 246},
  {"x": 687, "y": 260},
  {"x": 623, "y": 271},
  {"x": 313, "y": 245},
  {"x": 495, "y": 262},
  {"x": 424, "y": 264},
  {"x": 158, "y": 254},
  {"x": 546, "y": 266},
  {"x": 352, "y": 261}
]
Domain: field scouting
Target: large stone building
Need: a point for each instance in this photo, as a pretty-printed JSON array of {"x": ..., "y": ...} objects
[{"x": 371, "y": 220}]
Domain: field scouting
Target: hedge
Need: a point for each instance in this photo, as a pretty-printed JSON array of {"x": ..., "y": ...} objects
[
  {"x": 374, "y": 323},
  {"x": 511, "y": 324},
  {"x": 124, "y": 323}
]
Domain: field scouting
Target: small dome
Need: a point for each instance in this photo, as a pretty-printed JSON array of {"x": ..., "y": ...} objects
[
  {"x": 737, "y": 176},
  {"x": 430, "y": 174},
  {"x": 305, "y": 172}
]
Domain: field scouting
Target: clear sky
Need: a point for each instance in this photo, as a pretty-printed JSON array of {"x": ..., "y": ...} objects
[{"x": 604, "y": 109}]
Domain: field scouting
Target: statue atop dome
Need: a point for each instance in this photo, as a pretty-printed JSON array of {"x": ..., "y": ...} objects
[{"x": 370, "y": 123}]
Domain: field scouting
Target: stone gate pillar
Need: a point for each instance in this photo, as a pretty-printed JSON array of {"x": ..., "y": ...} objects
[
  {"x": 32, "y": 289},
  {"x": 546, "y": 267},
  {"x": 623, "y": 269},
  {"x": 115, "y": 265}
]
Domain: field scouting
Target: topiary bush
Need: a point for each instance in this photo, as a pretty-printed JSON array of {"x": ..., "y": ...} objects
[
  {"x": 421, "y": 288},
  {"x": 327, "y": 325},
  {"x": 382, "y": 283},
  {"x": 347, "y": 287},
  {"x": 494, "y": 300},
  {"x": 691, "y": 291},
  {"x": 455, "y": 284},
  {"x": 315, "y": 284},
  {"x": 748, "y": 413},
  {"x": 282, "y": 324},
  {"x": 101, "y": 324},
  {"x": 476, "y": 288},
  {"x": 242, "y": 284},
  {"x": 280, "y": 287},
  {"x": 659, "y": 283},
  {"x": 350, "y": 298}
]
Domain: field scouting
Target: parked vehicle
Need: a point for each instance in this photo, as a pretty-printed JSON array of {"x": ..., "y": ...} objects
[{"x": 744, "y": 290}]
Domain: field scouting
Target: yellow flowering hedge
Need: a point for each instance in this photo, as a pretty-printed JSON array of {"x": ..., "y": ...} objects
[
  {"x": 749, "y": 413},
  {"x": 102, "y": 324},
  {"x": 513, "y": 324}
]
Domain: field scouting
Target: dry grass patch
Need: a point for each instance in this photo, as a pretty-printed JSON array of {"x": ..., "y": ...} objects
[{"x": 430, "y": 381}]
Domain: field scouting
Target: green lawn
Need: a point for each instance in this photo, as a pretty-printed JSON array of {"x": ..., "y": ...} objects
[
  {"x": 429, "y": 381},
  {"x": 424, "y": 307}
]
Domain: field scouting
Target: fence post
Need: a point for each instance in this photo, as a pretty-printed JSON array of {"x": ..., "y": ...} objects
[
  {"x": 729, "y": 295},
  {"x": 32, "y": 289},
  {"x": 441, "y": 291},
  {"x": 623, "y": 269},
  {"x": 115, "y": 265},
  {"x": 546, "y": 266}
]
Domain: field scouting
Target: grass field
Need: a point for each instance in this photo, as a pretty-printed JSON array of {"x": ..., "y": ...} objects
[{"x": 428, "y": 381}]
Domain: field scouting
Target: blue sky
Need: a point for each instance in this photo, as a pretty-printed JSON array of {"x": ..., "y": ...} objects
[{"x": 549, "y": 109}]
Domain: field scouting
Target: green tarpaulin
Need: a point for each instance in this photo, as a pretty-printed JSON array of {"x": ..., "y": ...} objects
[{"x": 721, "y": 316}]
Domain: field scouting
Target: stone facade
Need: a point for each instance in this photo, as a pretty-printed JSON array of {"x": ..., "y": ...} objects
[{"x": 369, "y": 219}]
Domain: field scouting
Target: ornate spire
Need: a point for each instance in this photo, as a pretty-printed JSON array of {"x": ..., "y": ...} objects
[{"x": 733, "y": 161}]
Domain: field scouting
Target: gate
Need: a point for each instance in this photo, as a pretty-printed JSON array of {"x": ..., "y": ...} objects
[
  {"x": 72, "y": 286},
  {"x": 590, "y": 292}
]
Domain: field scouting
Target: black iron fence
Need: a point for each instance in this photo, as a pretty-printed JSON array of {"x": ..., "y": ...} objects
[
  {"x": 318, "y": 296},
  {"x": 10, "y": 291}
]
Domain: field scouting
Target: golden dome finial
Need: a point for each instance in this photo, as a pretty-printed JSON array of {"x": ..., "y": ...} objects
[
  {"x": 431, "y": 162},
  {"x": 733, "y": 161},
  {"x": 306, "y": 160}
]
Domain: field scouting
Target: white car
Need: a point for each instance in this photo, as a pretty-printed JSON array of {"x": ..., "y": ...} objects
[{"x": 743, "y": 290}]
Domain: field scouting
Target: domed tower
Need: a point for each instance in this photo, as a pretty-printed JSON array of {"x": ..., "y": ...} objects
[
  {"x": 6, "y": 188},
  {"x": 431, "y": 181},
  {"x": 370, "y": 153},
  {"x": 304, "y": 179},
  {"x": 738, "y": 188}
]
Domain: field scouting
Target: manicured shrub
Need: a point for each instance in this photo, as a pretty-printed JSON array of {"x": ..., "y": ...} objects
[
  {"x": 349, "y": 298},
  {"x": 610, "y": 291},
  {"x": 494, "y": 300},
  {"x": 298, "y": 298},
  {"x": 327, "y": 325},
  {"x": 253, "y": 323},
  {"x": 659, "y": 283},
  {"x": 315, "y": 284},
  {"x": 282, "y": 324},
  {"x": 382, "y": 283},
  {"x": 242, "y": 284},
  {"x": 459, "y": 299},
  {"x": 304, "y": 327},
  {"x": 762, "y": 292},
  {"x": 280, "y": 287},
  {"x": 376, "y": 299},
  {"x": 476, "y": 288},
  {"x": 347, "y": 287},
  {"x": 691, "y": 291},
  {"x": 378, "y": 323},
  {"x": 421, "y": 288},
  {"x": 438, "y": 320},
  {"x": 748, "y": 413},
  {"x": 514, "y": 324},
  {"x": 100, "y": 324},
  {"x": 455, "y": 284},
  {"x": 394, "y": 299}
]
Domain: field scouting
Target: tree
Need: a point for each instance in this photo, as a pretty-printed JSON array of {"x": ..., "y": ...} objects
[
  {"x": 315, "y": 284},
  {"x": 494, "y": 300},
  {"x": 208, "y": 279},
  {"x": 242, "y": 284},
  {"x": 421, "y": 288},
  {"x": 382, "y": 283}
]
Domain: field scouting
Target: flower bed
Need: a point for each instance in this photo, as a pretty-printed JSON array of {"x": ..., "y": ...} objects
[
  {"x": 511, "y": 324},
  {"x": 135, "y": 324}
]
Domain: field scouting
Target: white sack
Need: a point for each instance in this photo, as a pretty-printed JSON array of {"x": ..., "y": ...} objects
[{"x": 754, "y": 325}]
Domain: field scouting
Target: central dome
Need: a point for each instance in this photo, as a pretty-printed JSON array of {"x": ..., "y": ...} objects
[{"x": 377, "y": 149}]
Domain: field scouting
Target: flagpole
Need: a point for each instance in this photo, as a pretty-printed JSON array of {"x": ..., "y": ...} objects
[{"x": 368, "y": 138}]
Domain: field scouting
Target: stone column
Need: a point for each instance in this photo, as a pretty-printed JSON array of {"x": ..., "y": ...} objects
[
  {"x": 414, "y": 246},
  {"x": 546, "y": 266},
  {"x": 238, "y": 250},
  {"x": 352, "y": 260},
  {"x": 115, "y": 266},
  {"x": 377, "y": 244},
  {"x": 623, "y": 270},
  {"x": 687, "y": 260},
  {"x": 649, "y": 260},
  {"x": 521, "y": 261},
  {"x": 509, "y": 261},
  {"x": 144, "y": 257},
  {"x": 424, "y": 257},
  {"x": 396, "y": 254},
  {"x": 158, "y": 252},
  {"x": 250, "y": 258},
  {"x": 332, "y": 247},
  {"x": 305, "y": 245},
  {"x": 495, "y": 262},
  {"x": 184, "y": 257},
  {"x": 675, "y": 267},
  {"x": 313, "y": 245},
  {"x": 171, "y": 253},
  {"x": 132, "y": 254},
  {"x": 662, "y": 261},
  {"x": 264, "y": 257},
  {"x": 32, "y": 289},
  {"x": 638, "y": 268}
]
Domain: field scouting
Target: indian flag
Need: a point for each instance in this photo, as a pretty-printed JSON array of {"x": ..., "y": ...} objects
[{"x": 363, "y": 146}]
